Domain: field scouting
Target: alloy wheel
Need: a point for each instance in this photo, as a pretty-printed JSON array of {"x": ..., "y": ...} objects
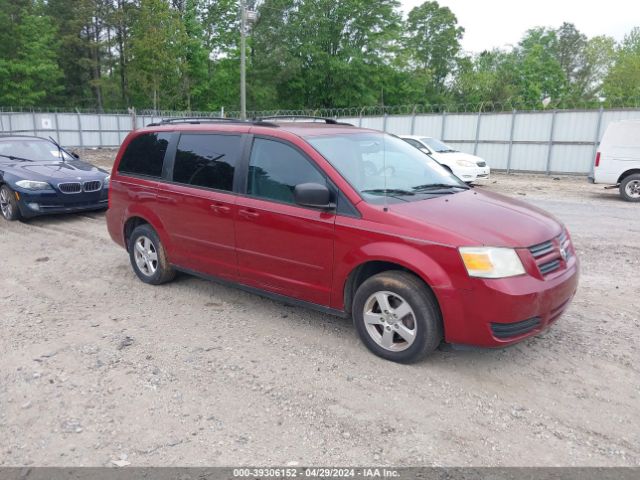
[
  {"x": 390, "y": 321},
  {"x": 5, "y": 203},
  {"x": 146, "y": 256}
]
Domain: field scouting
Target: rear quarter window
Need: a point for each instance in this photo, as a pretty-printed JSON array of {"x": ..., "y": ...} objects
[
  {"x": 207, "y": 160},
  {"x": 145, "y": 155}
]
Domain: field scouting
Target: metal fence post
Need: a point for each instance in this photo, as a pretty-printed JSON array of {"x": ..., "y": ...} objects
[
  {"x": 384, "y": 123},
  {"x": 513, "y": 125},
  {"x": 596, "y": 141},
  {"x": 475, "y": 146},
  {"x": 33, "y": 119},
  {"x": 55, "y": 117},
  {"x": 100, "y": 130},
  {"x": 10, "y": 115},
  {"x": 80, "y": 129},
  {"x": 444, "y": 124},
  {"x": 413, "y": 121},
  {"x": 553, "y": 124}
]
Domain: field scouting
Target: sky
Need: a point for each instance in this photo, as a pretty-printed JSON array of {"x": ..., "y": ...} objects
[{"x": 500, "y": 23}]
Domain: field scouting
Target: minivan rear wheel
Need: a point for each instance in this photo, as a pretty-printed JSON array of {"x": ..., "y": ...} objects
[
  {"x": 8, "y": 204},
  {"x": 630, "y": 188},
  {"x": 148, "y": 256},
  {"x": 397, "y": 317}
]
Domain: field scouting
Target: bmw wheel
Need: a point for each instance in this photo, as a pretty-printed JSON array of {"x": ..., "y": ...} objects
[{"x": 8, "y": 204}]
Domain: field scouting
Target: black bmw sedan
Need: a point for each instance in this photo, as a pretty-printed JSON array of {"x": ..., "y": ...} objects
[{"x": 39, "y": 177}]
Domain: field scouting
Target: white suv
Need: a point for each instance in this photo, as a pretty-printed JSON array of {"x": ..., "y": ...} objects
[{"x": 466, "y": 167}]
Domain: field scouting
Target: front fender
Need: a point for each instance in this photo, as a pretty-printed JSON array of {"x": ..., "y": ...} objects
[{"x": 417, "y": 258}]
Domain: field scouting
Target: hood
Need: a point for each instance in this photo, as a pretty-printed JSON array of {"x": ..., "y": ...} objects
[
  {"x": 58, "y": 171},
  {"x": 482, "y": 218},
  {"x": 453, "y": 156}
]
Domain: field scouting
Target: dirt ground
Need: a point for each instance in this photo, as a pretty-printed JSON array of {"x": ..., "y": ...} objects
[{"x": 97, "y": 367}]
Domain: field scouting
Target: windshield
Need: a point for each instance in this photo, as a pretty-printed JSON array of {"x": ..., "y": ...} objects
[
  {"x": 39, "y": 150},
  {"x": 378, "y": 165},
  {"x": 437, "y": 145}
]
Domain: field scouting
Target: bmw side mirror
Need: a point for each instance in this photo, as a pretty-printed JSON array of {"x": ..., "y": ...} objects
[{"x": 313, "y": 195}]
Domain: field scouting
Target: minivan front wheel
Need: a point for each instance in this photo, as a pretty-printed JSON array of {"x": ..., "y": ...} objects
[
  {"x": 397, "y": 317},
  {"x": 630, "y": 188},
  {"x": 148, "y": 257}
]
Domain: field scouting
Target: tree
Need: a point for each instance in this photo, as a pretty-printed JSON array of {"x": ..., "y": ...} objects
[
  {"x": 156, "y": 64},
  {"x": 540, "y": 73},
  {"x": 623, "y": 80},
  {"x": 487, "y": 78},
  {"x": 433, "y": 41},
  {"x": 29, "y": 74},
  {"x": 322, "y": 53}
]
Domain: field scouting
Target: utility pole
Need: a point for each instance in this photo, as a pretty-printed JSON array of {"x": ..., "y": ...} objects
[{"x": 243, "y": 60}]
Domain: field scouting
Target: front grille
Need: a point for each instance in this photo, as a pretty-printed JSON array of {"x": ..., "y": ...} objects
[
  {"x": 510, "y": 330},
  {"x": 547, "y": 268},
  {"x": 93, "y": 186},
  {"x": 482, "y": 164},
  {"x": 541, "y": 249},
  {"x": 74, "y": 187},
  {"x": 552, "y": 255}
]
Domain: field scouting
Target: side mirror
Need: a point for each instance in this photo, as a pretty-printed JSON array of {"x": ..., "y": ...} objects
[{"x": 313, "y": 195}]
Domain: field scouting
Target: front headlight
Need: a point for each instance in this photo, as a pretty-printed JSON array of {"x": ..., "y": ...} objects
[
  {"x": 33, "y": 185},
  {"x": 490, "y": 262},
  {"x": 106, "y": 181},
  {"x": 465, "y": 163}
]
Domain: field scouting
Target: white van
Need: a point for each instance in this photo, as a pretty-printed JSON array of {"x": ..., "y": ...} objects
[
  {"x": 466, "y": 167},
  {"x": 618, "y": 159}
]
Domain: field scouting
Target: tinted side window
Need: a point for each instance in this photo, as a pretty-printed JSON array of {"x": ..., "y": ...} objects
[
  {"x": 207, "y": 160},
  {"x": 145, "y": 155},
  {"x": 275, "y": 169}
]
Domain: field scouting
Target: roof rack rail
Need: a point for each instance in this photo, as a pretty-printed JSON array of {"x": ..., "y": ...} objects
[
  {"x": 199, "y": 120},
  {"x": 194, "y": 120},
  {"x": 328, "y": 121}
]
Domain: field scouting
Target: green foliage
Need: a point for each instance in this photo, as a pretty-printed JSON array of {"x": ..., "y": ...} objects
[
  {"x": 433, "y": 40},
  {"x": 184, "y": 54},
  {"x": 623, "y": 79},
  {"x": 29, "y": 74}
]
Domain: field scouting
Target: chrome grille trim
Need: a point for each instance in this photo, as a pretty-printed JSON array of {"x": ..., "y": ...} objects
[
  {"x": 70, "y": 187},
  {"x": 92, "y": 186}
]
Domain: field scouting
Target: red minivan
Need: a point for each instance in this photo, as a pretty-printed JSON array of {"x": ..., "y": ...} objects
[{"x": 349, "y": 221}]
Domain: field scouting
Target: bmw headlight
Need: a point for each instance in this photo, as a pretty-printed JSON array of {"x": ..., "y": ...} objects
[
  {"x": 33, "y": 185},
  {"x": 465, "y": 163},
  {"x": 491, "y": 262},
  {"x": 106, "y": 181}
]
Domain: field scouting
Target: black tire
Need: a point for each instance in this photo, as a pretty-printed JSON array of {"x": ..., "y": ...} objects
[
  {"x": 10, "y": 210},
  {"x": 425, "y": 321},
  {"x": 631, "y": 183},
  {"x": 163, "y": 271}
]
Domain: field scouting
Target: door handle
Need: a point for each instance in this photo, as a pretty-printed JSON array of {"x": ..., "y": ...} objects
[
  {"x": 220, "y": 208},
  {"x": 248, "y": 214}
]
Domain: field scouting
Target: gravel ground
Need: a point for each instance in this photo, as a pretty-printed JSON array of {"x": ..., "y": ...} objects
[{"x": 98, "y": 367}]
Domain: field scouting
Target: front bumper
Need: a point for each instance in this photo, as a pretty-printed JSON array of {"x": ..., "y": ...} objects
[
  {"x": 33, "y": 204},
  {"x": 497, "y": 313},
  {"x": 470, "y": 175}
]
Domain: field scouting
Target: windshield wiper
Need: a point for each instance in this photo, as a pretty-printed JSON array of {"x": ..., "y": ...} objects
[
  {"x": 11, "y": 157},
  {"x": 434, "y": 186},
  {"x": 392, "y": 191}
]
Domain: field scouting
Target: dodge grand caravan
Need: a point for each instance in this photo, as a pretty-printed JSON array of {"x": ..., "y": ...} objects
[{"x": 345, "y": 220}]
